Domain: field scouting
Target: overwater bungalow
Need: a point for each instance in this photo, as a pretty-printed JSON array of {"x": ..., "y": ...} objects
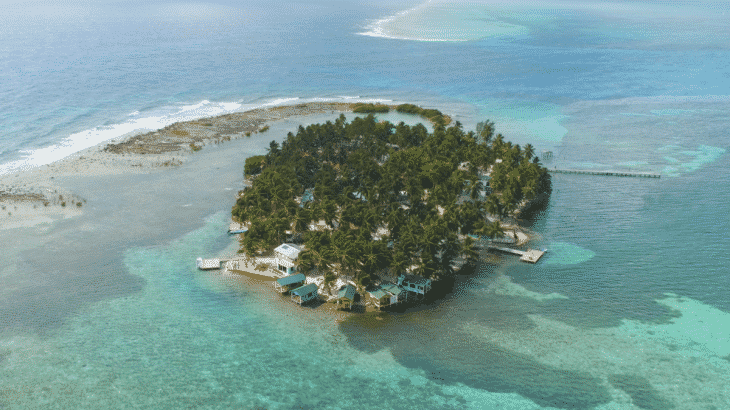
[
  {"x": 346, "y": 297},
  {"x": 397, "y": 294},
  {"x": 287, "y": 283},
  {"x": 304, "y": 293},
  {"x": 418, "y": 285},
  {"x": 378, "y": 297},
  {"x": 286, "y": 256}
]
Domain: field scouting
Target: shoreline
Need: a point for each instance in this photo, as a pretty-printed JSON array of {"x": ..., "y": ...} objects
[{"x": 37, "y": 195}]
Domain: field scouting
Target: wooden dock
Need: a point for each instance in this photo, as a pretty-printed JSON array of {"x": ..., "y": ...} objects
[
  {"x": 208, "y": 264},
  {"x": 530, "y": 255},
  {"x": 606, "y": 173}
]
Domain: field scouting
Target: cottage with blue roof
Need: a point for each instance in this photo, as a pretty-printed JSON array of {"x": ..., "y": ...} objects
[
  {"x": 305, "y": 293},
  {"x": 397, "y": 295},
  {"x": 378, "y": 297},
  {"x": 346, "y": 297},
  {"x": 287, "y": 283}
]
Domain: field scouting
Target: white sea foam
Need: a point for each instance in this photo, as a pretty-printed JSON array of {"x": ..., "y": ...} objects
[
  {"x": 349, "y": 99},
  {"x": 85, "y": 139},
  {"x": 442, "y": 22},
  {"x": 279, "y": 101},
  {"x": 375, "y": 29}
]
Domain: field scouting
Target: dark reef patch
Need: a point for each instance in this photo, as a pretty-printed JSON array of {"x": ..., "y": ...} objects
[
  {"x": 449, "y": 356},
  {"x": 641, "y": 391}
]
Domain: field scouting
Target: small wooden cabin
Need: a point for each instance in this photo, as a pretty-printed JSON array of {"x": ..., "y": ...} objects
[
  {"x": 378, "y": 297},
  {"x": 415, "y": 284},
  {"x": 304, "y": 293},
  {"x": 346, "y": 297},
  {"x": 287, "y": 283},
  {"x": 397, "y": 295}
]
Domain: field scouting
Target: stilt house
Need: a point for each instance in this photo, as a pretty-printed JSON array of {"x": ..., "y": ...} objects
[
  {"x": 304, "y": 293},
  {"x": 346, "y": 297},
  {"x": 287, "y": 283},
  {"x": 397, "y": 295},
  {"x": 415, "y": 284},
  {"x": 378, "y": 297}
]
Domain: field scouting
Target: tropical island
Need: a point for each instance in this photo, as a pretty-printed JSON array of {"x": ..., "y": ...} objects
[{"x": 368, "y": 201}]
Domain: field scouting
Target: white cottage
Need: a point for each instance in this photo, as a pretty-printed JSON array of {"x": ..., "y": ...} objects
[
  {"x": 414, "y": 283},
  {"x": 286, "y": 256}
]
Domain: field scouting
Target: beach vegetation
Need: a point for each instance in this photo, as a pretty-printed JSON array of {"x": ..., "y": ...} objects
[
  {"x": 194, "y": 147},
  {"x": 254, "y": 165},
  {"x": 368, "y": 108},
  {"x": 264, "y": 128},
  {"x": 485, "y": 131},
  {"x": 384, "y": 197},
  {"x": 435, "y": 116}
]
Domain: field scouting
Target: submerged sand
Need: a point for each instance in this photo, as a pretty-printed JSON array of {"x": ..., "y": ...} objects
[{"x": 35, "y": 196}]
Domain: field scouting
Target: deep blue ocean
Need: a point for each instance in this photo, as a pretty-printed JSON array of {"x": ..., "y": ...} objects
[{"x": 630, "y": 309}]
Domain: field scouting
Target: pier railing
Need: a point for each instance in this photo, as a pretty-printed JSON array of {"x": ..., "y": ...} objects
[{"x": 607, "y": 173}]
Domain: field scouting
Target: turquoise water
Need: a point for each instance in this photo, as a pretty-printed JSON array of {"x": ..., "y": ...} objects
[{"x": 628, "y": 310}]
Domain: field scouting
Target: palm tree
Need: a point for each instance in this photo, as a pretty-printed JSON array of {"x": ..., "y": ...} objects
[
  {"x": 399, "y": 262},
  {"x": 485, "y": 130},
  {"x": 493, "y": 206},
  {"x": 498, "y": 143},
  {"x": 301, "y": 220},
  {"x": 529, "y": 151},
  {"x": 468, "y": 252},
  {"x": 494, "y": 230}
]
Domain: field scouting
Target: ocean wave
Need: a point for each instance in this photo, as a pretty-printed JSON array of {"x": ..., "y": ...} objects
[
  {"x": 440, "y": 22},
  {"x": 277, "y": 102},
  {"x": 158, "y": 118},
  {"x": 349, "y": 99}
]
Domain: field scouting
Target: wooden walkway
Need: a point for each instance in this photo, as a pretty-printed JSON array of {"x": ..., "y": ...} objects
[
  {"x": 207, "y": 264},
  {"x": 530, "y": 255},
  {"x": 607, "y": 173}
]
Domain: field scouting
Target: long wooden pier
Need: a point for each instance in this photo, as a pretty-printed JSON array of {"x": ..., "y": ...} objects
[
  {"x": 530, "y": 255},
  {"x": 607, "y": 173}
]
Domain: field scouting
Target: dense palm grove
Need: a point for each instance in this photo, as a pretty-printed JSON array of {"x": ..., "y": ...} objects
[{"x": 367, "y": 195}]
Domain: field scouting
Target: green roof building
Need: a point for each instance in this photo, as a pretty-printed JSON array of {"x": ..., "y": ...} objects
[
  {"x": 304, "y": 293},
  {"x": 397, "y": 294},
  {"x": 346, "y": 297},
  {"x": 378, "y": 297},
  {"x": 287, "y": 283}
]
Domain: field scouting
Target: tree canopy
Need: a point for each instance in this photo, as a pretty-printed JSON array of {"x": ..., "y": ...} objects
[{"x": 366, "y": 195}]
